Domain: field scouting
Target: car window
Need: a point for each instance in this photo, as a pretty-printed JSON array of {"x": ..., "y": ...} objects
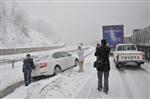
[
  {"x": 133, "y": 47},
  {"x": 59, "y": 54},
  {"x": 126, "y": 47},
  {"x": 64, "y": 54},
  {"x": 119, "y": 48},
  {"x": 129, "y": 47}
]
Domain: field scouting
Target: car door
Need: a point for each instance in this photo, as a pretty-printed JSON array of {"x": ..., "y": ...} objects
[
  {"x": 65, "y": 59},
  {"x": 60, "y": 59},
  {"x": 71, "y": 60}
]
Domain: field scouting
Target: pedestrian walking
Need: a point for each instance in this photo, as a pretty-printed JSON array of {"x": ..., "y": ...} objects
[
  {"x": 28, "y": 65},
  {"x": 81, "y": 58},
  {"x": 102, "y": 54}
]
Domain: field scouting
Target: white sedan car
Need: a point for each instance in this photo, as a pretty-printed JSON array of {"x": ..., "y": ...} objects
[{"x": 53, "y": 63}]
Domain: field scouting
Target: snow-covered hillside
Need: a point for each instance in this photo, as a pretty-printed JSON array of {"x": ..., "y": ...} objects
[{"x": 14, "y": 29}]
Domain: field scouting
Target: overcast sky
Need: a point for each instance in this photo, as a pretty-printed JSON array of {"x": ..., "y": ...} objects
[{"x": 82, "y": 21}]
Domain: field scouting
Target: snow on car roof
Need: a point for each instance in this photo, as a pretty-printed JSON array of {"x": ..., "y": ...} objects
[
  {"x": 50, "y": 52},
  {"x": 45, "y": 54}
]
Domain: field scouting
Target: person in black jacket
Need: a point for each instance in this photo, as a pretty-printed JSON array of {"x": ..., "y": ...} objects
[
  {"x": 102, "y": 53},
  {"x": 97, "y": 48},
  {"x": 28, "y": 65}
]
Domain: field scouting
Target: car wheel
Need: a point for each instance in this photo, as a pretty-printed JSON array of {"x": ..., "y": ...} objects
[
  {"x": 34, "y": 78},
  {"x": 117, "y": 66},
  {"x": 139, "y": 65},
  {"x": 76, "y": 62},
  {"x": 114, "y": 61},
  {"x": 57, "y": 70}
]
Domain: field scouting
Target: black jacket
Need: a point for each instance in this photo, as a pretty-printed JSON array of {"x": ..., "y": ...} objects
[
  {"x": 103, "y": 52},
  {"x": 28, "y": 64}
]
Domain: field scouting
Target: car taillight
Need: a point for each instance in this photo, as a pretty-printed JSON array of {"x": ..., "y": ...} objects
[
  {"x": 43, "y": 65},
  {"x": 143, "y": 56}
]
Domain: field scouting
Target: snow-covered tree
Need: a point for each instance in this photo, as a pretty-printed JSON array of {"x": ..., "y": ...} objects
[
  {"x": 15, "y": 30},
  {"x": 44, "y": 28}
]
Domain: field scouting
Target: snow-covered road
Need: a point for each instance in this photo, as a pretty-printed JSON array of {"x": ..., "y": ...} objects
[{"x": 129, "y": 83}]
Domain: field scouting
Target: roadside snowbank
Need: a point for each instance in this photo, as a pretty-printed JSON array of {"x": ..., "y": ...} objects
[{"x": 10, "y": 75}]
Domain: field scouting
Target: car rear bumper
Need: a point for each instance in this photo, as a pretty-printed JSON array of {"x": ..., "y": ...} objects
[
  {"x": 37, "y": 73},
  {"x": 132, "y": 63}
]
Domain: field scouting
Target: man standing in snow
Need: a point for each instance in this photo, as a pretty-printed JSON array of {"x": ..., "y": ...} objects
[
  {"x": 28, "y": 65},
  {"x": 102, "y": 53},
  {"x": 81, "y": 58}
]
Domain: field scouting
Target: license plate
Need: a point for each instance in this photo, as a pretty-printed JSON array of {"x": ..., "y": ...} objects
[
  {"x": 131, "y": 63},
  {"x": 130, "y": 57}
]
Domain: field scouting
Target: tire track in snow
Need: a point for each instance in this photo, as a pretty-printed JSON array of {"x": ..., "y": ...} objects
[
  {"x": 94, "y": 93},
  {"x": 125, "y": 89},
  {"x": 87, "y": 89},
  {"x": 134, "y": 82},
  {"x": 141, "y": 82},
  {"x": 132, "y": 85},
  {"x": 118, "y": 84}
]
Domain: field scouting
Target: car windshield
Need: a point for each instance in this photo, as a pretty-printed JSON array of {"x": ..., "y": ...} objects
[
  {"x": 42, "y": 57},
  {"x": 126, "y": 47}
]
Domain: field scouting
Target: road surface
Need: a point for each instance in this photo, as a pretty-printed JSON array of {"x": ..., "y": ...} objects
[{"x": 130, "y": 82}]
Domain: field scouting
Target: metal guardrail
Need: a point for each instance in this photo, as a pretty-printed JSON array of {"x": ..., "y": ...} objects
[
  {"x": 27, "y": 50},
  {"x": 75, "y": 50},
  {"x": 146, "y": 50},
  {"x": 21, "y": 51},
  {"x": 3, "y": 61}
]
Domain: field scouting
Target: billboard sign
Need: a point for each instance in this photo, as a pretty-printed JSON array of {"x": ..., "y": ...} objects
[{"x": 114, "y": 34}]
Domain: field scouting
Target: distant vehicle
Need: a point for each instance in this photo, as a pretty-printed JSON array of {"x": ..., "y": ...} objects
[
  {"x": 114, "y": 34},
  {"x": 127, "y": 54},
  {"x": 53, "y": 63}
]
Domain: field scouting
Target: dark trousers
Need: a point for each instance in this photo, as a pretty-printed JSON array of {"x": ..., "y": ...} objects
[
  {"x": 27, "y": 77},
  {"x": 106, "y": 83}
]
